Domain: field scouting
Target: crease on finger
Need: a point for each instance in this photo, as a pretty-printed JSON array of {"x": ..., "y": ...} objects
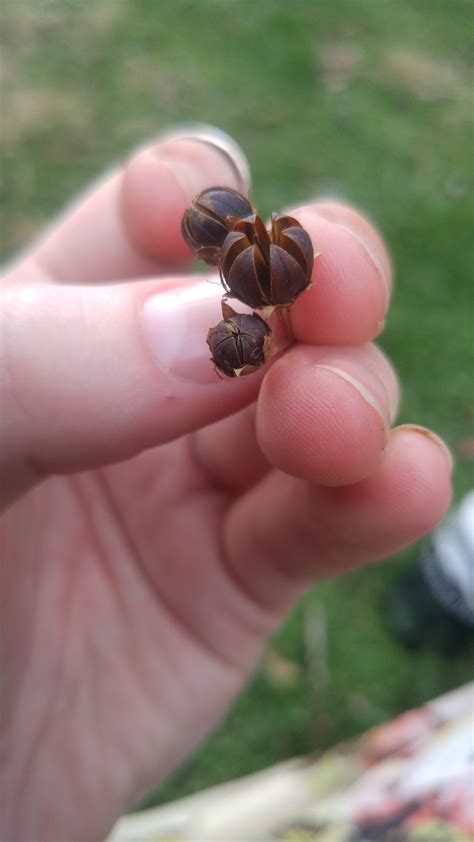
[{"x": 371, "y": 254}]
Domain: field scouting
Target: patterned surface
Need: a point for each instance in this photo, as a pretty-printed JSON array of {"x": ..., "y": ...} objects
[{"x": 409, "y": 780}]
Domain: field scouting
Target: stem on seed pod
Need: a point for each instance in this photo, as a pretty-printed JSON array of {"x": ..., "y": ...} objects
[
  {"x": 284, "y": 313},
  {"x": 282, "y": 334}
]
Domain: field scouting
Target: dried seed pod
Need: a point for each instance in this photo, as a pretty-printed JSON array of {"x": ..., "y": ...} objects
[
  {"x": 267, "y": 270},
  {"x": 240, "y": 343},
  {"x": 213, "y": 213}
]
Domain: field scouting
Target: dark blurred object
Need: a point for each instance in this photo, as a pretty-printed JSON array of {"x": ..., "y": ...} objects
[{"x": 432, "y": 605}]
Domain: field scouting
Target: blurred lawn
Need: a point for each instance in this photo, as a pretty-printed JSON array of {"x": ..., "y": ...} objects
[{"x": 365, "y": 99}]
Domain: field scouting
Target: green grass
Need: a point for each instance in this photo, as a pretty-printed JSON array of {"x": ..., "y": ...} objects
[{"x": 364, "y": 99}]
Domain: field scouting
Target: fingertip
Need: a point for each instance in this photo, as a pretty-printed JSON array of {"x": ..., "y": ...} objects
[
  {"x": 350, "y": 295},
  {"x": 158, "y": 185},
  {"x": 424, "y": 486},
  {"x": 412, "y": 486},
  {"x": 318, "y": 422},
  {"x": 152, "y": 216},
  {"x": 128, "y": 225},
  {"x": 362, "y": 226}
]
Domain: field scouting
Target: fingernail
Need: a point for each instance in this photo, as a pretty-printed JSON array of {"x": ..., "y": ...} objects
[
  {"x": 361, "y": 389},
  {"x": 423, "y": 431},
  {"x": 229, "y": 151},
  {"x": 176, "y": 325}
]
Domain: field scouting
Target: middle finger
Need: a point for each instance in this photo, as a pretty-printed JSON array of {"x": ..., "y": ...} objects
[{"x": 322, "y": 413}]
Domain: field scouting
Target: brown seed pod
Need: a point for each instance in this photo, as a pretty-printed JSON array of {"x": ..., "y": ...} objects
[
  {"x": 213, "y": 213},
  {"x": 240, "y": 343},
  {"x": 267, "y": 270}
]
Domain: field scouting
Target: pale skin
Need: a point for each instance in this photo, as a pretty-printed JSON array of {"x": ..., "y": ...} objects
[{"x": 160, "y": 522}]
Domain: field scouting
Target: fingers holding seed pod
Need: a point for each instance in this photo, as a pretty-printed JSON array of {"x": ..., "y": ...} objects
[
  {"x": 213, "y": 213},
  {"x": 266, "y": 270},
  {"x": 240, "y": 343}
]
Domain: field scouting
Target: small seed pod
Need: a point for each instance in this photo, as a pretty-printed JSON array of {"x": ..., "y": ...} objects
[
  {"x": 240, "y": 343},
  {"x": 267, "y": 270},
  {"x": 213, "y": 213}
]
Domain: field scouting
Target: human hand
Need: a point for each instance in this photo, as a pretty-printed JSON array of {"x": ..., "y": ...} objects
[{"x": 159, "y": 521}]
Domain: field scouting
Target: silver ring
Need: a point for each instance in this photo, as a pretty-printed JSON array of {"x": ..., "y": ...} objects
[{"x": 220, "y": 140}]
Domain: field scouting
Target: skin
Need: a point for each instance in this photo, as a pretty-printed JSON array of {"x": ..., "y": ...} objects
[{"x": 155, "y": 531}]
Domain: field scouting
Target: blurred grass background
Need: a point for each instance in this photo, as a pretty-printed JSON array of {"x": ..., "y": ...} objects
[{"x": 369, "y": 100}]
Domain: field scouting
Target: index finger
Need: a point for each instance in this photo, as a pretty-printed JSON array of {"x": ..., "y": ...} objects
[
  {"x": 128, "y": 225},
  {"x": 352, "y": 278}
]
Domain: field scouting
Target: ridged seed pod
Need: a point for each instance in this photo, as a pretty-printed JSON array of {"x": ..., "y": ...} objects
[
  {"x": 213, "y": 213},
  {"x": 239, "y": 344},
  {"x": 267, "y": 270}
]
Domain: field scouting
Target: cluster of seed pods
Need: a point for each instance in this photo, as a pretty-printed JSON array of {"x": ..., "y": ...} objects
[{"x": 265, "y": 270}]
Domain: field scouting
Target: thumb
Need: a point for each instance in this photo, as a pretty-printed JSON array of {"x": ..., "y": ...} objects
[{"x": 93, "y": 375}]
